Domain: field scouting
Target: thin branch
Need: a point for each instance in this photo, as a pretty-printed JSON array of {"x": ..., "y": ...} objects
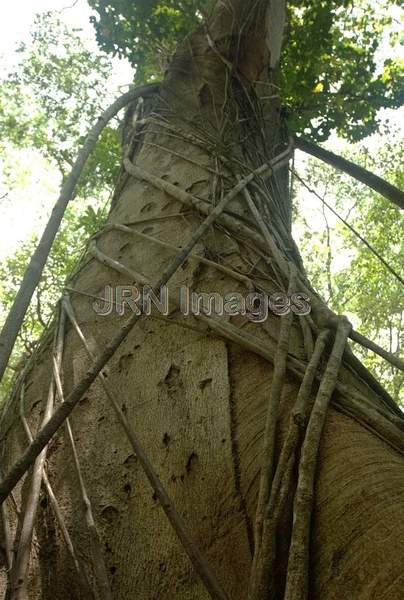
[
  {"x": 376, "y": 183},
  {"x": 307, "y": 336},
  {"x": 95, "y": 542},
  {"x": 298, "y": 565},
  {"x": 114, "y": 264},
  {"x": 353, "y": 230},
  {"x": 36, "y": 265},
  {"x": 389, "y": 356},
  {"x": 58, "y": 513},
  {"x": 329, "y": 256},
  {"x": 20, "y": 571}
]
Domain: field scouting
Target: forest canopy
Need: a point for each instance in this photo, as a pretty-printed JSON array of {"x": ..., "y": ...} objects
[{"x": 333, "y": 75}]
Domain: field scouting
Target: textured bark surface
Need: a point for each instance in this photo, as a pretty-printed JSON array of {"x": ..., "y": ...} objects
[{"x": 197, "y": 402}]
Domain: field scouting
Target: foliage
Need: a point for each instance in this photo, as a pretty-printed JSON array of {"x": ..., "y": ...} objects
[
  {"x": 354, "y": 281},
  {"x": 330, "y": 76},
  {"x": 67, "y": 250},
  {"x": 143, "y": 32},
  {"x": 53, "y": 97},
  {"x": 329, "y": 79},
  {"x": 48, "y": 103}
]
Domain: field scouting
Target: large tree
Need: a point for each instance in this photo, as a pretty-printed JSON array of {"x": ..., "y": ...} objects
[{"x": 207, "y": 455}]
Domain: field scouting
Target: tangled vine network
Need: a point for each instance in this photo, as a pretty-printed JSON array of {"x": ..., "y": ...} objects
[{"x": 325, "y": 338}]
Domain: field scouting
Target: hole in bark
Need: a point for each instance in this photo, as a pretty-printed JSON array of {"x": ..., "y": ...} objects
[
  {"x": 101, "y": 419},
  {"x": 191, "y": 459},
  {"x": 148, "y": 230},
  {"x": 172, "y": 376},
  {"x": 166, "y": 206},
  {"x": 83, "y": 401},
  {"x": 163, "y": 567},
  {"x": 154, "y": 497},
  {"x": 205, "y": 94},
  {"x": 112, "y": 570},
  {"x": 127, "y": 488},
  {"x": 148, "y": 207},
  {"x": 130, "y": 460},
  {"x": 3, "y": 558},
  {"x": 337, "y": 556},
  {"x": 110, "y": 513},
  {"x": 205, "y": 382},
  {"x": 166, "y": 440},
  {"x": 124, "y": 361}
]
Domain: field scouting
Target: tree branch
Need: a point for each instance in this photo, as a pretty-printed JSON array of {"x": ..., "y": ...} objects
[{"x": 383, "y": 187}]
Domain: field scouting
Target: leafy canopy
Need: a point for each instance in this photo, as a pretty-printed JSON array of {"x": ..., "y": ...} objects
[
  {"x": 330, "y": 77},
  {"x": 351, "y": 279},
  {"x": 47, "y": 104},
  {"x": 53, "y": 96}
]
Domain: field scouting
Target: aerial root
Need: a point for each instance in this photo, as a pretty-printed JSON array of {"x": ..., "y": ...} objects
[
  {"x": 297, "y": 579},
  {"x": 259, "y": 573},
  {"x": 283, "y": 481},
  {"x": 81, "y": 574},
  {"x": 18, "y": 576},
  {"x": 98, "y": 562}
]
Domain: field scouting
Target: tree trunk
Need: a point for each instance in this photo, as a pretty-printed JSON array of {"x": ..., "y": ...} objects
[{"x": 197, "y": 399}]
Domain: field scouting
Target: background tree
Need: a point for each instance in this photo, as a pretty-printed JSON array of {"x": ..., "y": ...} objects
[
  {"x": 355, "y": 281},
  {"x": 47, "y": 104}
]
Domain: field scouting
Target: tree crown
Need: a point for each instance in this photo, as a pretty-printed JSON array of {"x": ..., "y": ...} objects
[{"x": 331, "y": 76}]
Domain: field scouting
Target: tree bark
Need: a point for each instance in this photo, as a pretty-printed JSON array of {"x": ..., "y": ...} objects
[{"x": 197, "y": 399}]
